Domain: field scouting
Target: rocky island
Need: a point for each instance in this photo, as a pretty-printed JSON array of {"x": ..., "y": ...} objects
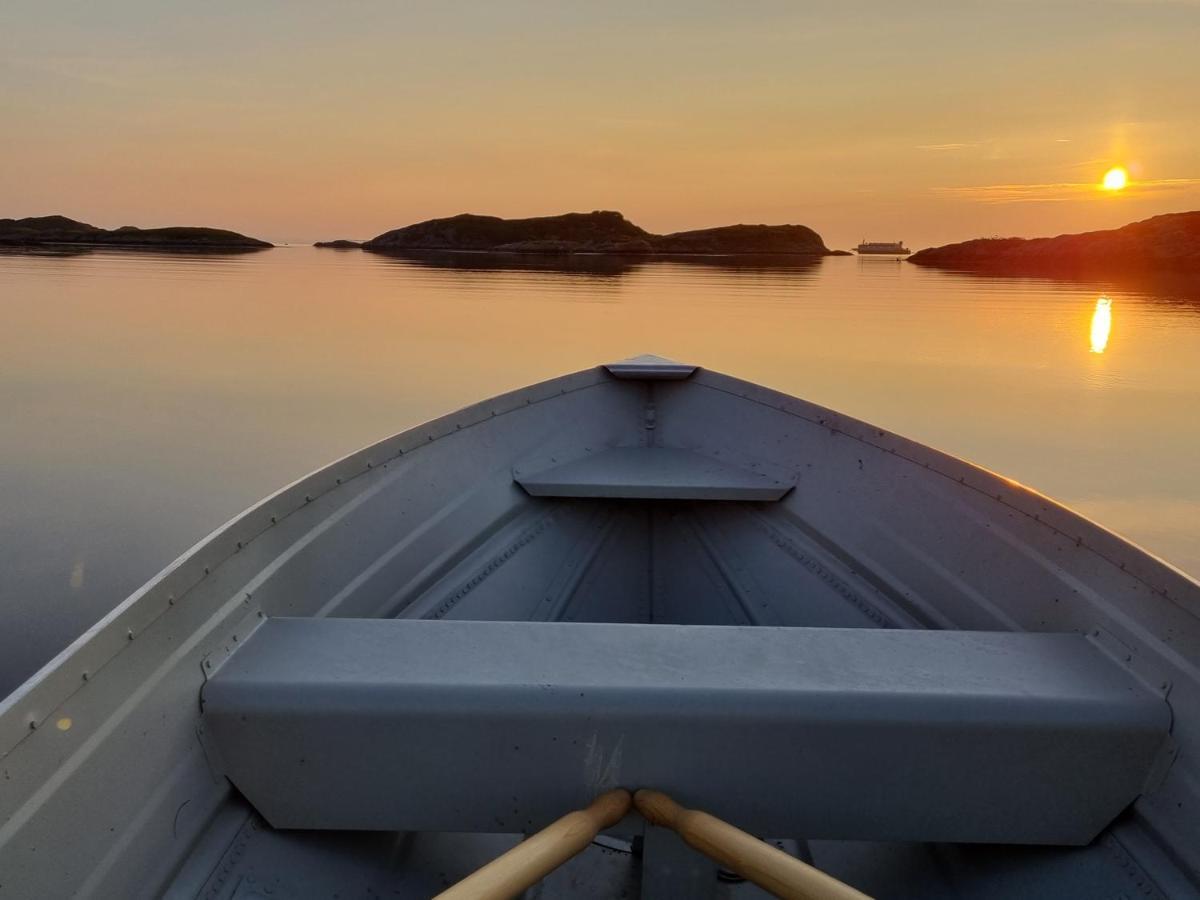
[
  {"x": 59, "y": 230},
  {"x": 1167, "y": 244},
  {"x": 339, "y": 244},
  {"x": 594, "y": 232}
]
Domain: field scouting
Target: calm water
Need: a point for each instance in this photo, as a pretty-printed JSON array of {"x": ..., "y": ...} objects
[{"x": 145, "y": 399}]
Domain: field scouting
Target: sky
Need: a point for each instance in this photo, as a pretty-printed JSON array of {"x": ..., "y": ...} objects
[{"x": 919, "y": 121}]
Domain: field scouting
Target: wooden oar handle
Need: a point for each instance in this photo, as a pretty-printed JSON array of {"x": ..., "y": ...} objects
[
  {"x": 608, "y": 809},
  {"x": 659, "y": 809},
  {"x": 540, "y": 854},
  {"x": 769, "y": 868}
]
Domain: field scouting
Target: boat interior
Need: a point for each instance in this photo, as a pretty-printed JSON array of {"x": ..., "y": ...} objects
[{"x": 919, "y": 677}]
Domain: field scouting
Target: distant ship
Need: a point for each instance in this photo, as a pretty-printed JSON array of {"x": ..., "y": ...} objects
[{"x": 883, "y": 248}]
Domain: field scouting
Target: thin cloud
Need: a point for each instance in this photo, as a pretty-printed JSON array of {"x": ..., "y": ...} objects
[
  {"x": 943, "y": 147},
  {"x": 1166, "y": 184},
  {"x": 1026, "y": 200},
  {"x": 1057, "y": 192}
]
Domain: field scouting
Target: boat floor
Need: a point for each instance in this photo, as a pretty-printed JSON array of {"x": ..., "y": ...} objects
[
  {"x": 661, "y": 562},
  {"x": 243, "y": 858},
  {"x": 667, "y": 562}
]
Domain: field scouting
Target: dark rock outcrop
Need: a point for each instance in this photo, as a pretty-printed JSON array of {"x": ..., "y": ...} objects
[
  {"x": 46, "y": 229},
  {"x": 598, "y": 232},
  {"x": 744, "y": 239},
  {"x": 42, "y": 230},
  {"x": 1167, "y": 243},
  {"x": 595, "y": 232},
  {"x": 339, "y": 244}
]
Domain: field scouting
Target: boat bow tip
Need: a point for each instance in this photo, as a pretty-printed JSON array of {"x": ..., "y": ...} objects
[{"x": 650, "y": 366}]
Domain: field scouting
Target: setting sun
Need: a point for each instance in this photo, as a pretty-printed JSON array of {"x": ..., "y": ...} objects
[{"x": 1115, "y": 179}]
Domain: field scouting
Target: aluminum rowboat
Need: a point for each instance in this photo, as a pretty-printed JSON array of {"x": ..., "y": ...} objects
[{"x": 923, "y": 678}]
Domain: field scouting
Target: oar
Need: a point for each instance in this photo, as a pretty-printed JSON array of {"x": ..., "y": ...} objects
[
  {"x": 538, "y": 855},
  {"x": 769, "y": 868}
]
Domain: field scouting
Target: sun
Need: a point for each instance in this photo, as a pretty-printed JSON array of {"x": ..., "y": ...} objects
[{"x": 1115, "y": 179}]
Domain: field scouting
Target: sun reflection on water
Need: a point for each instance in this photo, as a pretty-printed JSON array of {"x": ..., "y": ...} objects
[{"x": 1101, "y": 324}]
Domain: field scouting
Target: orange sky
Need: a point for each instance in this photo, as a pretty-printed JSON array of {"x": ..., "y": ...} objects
[{"x": 927, "y": 122}]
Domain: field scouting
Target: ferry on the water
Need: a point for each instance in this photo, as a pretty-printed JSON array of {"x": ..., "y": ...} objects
[{"x": 882, "y": 248}]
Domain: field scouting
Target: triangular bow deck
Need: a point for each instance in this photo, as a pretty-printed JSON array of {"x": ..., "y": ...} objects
[{"x": 651, "y": 473}]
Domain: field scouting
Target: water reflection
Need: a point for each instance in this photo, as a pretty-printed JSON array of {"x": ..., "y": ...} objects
[
  {"x": 76, "y": 580},
  {"x": 146, "y": 398},
  {"x": 1101, "y": 324},
  {"x": 612, "y": 265},
  {"x": 478, "y": 261},
  {"x": 1179, "y": 289},
  {"x": 181, "y": 252}
]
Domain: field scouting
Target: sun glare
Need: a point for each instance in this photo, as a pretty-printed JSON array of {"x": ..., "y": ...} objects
[
  {"x": 1115, "y": 179},
  {"x": 1101, "y": 324}
]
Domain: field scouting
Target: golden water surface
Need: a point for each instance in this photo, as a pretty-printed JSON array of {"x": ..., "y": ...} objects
[{"x": 146, "y": 398}]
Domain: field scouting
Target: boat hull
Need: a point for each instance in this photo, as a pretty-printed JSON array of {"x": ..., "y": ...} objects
[{"x": 105, "y": 750}]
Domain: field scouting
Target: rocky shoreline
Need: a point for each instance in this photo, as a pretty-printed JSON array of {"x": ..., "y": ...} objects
[
  {"x": 602, "y": 231},
  {"x": 43, "y": 231},
  {"x": 1164, "y": 244}
]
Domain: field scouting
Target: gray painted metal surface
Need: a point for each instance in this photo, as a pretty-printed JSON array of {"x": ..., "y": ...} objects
[
  {"x": 107, "y": 788},
  {"x": 499, "y": 726},
  {"x": 649, "y": 367},
  {"x": 651, "y": 473}
]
